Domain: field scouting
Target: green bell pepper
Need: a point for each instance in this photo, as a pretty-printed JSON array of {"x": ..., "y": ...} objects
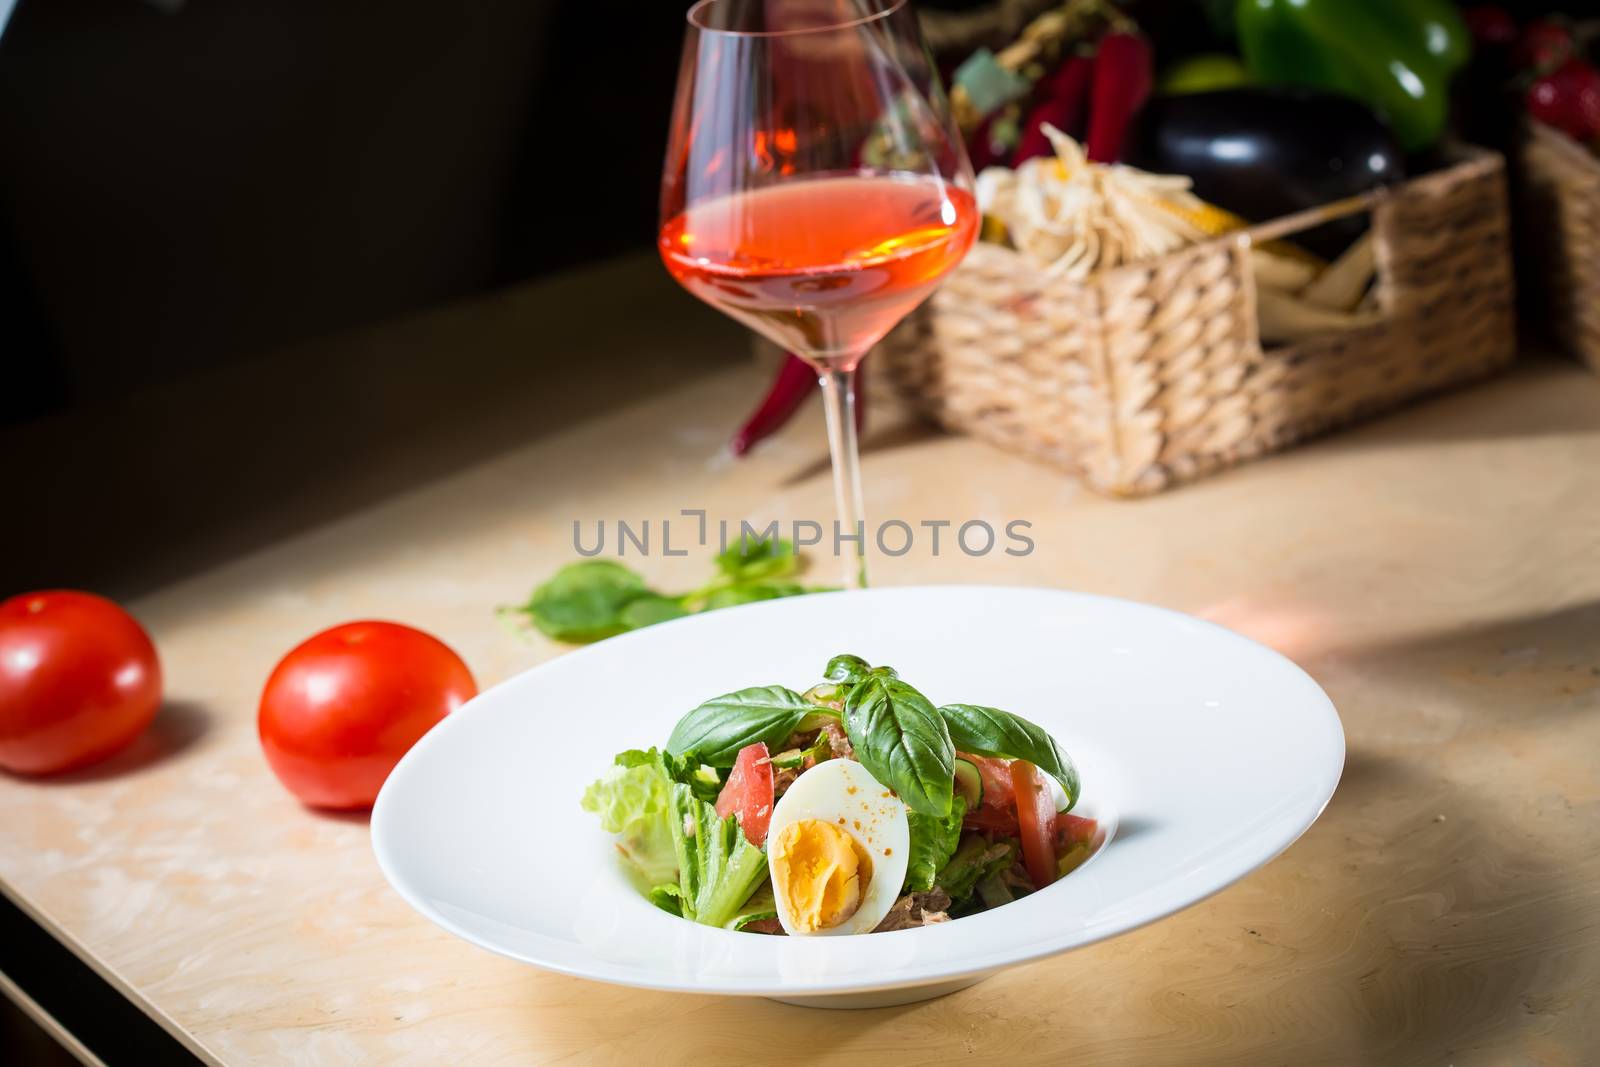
[{"x": 1397, "y": 56}]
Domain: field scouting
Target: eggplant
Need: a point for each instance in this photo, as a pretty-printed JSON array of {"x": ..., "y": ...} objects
[{"x": 1263, "y": 152}]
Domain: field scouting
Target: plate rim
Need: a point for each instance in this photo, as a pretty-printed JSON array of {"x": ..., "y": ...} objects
[{"x": 381, "y": 837}]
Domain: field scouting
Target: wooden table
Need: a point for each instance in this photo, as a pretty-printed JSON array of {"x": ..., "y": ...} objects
[{"x": 1437, "y": 571}]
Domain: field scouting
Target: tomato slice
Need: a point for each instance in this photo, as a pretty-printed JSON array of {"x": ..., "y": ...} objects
[
  {"x": 998, "y": 811},
  {"x": 748, "y": 793},
  {"x": 1073, "y": 830},
  {"x": 996, "y": 775},
  {"x": 1036, "y": 820},
  {"x": 1002, "y": 822}
]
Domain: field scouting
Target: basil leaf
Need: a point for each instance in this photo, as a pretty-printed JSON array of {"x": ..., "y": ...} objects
[
  {"x": 720, "y": 727},
  {"x": 933, "y": 842},
  {"x": 650, "y": 609},
  {"x": 846, "y": 669},
  {"x": 899, "y": 737},
  {"x": 585, "y": 601},
  {"x": 992, "y": 732},
  {"x": 750, "y": 593},
  {"x": 749, "y": 559},
  {"x": 686, "y": 768}
]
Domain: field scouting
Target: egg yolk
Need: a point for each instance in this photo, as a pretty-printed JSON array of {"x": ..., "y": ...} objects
[{"x": 819, "y": 873}]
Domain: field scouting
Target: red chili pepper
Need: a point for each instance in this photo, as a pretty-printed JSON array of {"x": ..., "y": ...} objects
[
  {"x": 1064, "y": 97},
  {"x": 860, "y": 397},
  {"x": 1122, "y": 83},
  {"x": 984, "y": 148},
  {"x": 795, "y": 382}
]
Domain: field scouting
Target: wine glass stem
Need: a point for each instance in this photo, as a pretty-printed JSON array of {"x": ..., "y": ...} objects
[{"x": 839, "y": 401}]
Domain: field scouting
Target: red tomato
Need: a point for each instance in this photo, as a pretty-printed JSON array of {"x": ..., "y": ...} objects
[
  {"x": 342, "y": 708},
  {"x": 996, "y": 775},
  {"x": 1002, "y": 822},
  {"x": 1073, "y": 830},
  {"x": 1036, "y": 818},
  {"x": 79, "y": 680},
  {"x": 998, "y": 811},
  {"x": 748, "y": 793}
]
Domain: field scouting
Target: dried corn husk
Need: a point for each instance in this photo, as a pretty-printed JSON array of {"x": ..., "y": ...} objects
[
  {"x": 1342, "y": 285},
  {"x": 1335, "y": 299},
  {"x": 1076, "y": 217}
]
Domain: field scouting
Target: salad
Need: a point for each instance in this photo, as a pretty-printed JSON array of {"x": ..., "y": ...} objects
[{"x": 855, "y": 807}]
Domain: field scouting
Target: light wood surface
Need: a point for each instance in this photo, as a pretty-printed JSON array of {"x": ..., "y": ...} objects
[{"x": 1438, "y": 572}]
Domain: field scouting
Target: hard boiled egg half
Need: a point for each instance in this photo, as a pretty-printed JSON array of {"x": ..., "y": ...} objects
[{"x": 837, "y": 850}]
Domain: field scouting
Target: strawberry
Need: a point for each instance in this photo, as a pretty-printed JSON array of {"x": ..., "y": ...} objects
[
  {"x": 1545, "y": 44},
  {"x": 1568, "y": 98}
]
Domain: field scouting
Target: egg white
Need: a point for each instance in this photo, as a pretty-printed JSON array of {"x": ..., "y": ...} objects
[{"x": 841, "y": 792}]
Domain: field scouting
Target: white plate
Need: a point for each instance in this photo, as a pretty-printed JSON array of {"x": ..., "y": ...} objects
[{"x": 1205, "y": 753}]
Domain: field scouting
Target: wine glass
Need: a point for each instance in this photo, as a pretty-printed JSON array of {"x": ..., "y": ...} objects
[{"x": 815, "y": 189}]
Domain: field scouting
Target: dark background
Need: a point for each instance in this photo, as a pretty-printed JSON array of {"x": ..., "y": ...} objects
[
  {"x": 188, "y": 183},
  {"x": 181, "y": 190}
]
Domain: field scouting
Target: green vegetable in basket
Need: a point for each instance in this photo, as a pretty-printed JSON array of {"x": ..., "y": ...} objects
[
  {"x": 1395, "y": 55},
  {"x": 1203, "y": 74}
]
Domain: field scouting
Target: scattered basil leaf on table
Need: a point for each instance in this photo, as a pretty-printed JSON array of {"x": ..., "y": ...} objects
[
  {"x": 992, "y": 732},
  {"x": 584, "y": 601},
  {"x": 595, "y": 599},
  {"x": 748, "y": 559},
  {"x": 901, "y": 739},
  {"x": 649, "y": 610},
  {"x": 750, "y": 593},
  {"x": 719, "y": 728}
]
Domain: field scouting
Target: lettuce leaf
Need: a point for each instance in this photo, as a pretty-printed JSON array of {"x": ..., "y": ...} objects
[
  {"x": 763, "y": 904},
  {"x": 665, "y": 896},
  {"x": 974, "y": 860},
  {"x": 718, "y": 868},
  {"x": 687, "y": 861},
  {"x": 634, "y": 801},
  {"x": 933, "y": 842}
]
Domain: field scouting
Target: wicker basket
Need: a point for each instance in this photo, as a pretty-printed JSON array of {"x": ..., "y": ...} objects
[
  {"x": 1559, "y": 198},
  {"x": 1145, "y": 376}
]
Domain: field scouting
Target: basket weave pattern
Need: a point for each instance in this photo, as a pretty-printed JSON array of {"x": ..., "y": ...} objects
[
  {"x": 1560, "y": 198},
  {"x": 1146, "y": 376}
]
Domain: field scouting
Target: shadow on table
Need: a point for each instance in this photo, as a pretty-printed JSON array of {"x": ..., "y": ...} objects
[
  {"x": 1449, "y": 938},
  {"x": 1486, "y": 670},
  {"x": 904, "y": 434},
  {"x": 1460, "y": 914},
  {"x": 1519, "y": 403},
  {"x": 363, "y": 816},
  {"x": 178, "y": 725}
]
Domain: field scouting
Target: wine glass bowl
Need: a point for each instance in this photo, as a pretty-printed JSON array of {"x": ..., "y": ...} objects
[
  {"x": 815, "y": 187},
  {"x": 823, "y": 266}
]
